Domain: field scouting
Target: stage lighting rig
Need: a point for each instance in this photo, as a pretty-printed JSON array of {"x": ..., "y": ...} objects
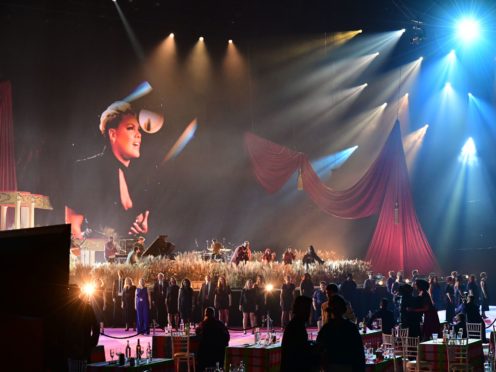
[{"x": 417, "y": 31}]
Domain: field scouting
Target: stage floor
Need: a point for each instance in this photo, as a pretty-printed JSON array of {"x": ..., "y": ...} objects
[{"x": 237, "y": 336}]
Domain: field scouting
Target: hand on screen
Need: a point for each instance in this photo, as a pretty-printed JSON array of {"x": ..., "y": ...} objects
[{"x": 140, "y": 225}]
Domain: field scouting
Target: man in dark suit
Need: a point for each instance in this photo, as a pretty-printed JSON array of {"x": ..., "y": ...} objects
[
  {"x": 207, "y": 293},
  {"x": 158, "y": 300},
  {"x": 117, "y": 289}
]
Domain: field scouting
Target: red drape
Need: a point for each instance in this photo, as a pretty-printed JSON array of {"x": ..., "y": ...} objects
[
  {"x": 398, "y": 241},
  {"x": 8, "y": 180}
]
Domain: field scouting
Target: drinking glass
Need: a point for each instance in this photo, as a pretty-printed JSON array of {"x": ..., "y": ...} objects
[
  {"x": 112, "y": 353},
  {"x": 460, "y": 333},
  {"x": 434, "y": 337}
]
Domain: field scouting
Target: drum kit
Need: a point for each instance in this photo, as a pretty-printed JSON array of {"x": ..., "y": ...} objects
[{"x": 216, "y": 251}]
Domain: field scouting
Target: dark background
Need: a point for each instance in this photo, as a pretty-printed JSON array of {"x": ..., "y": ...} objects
[{"x": 68, "y": 60}]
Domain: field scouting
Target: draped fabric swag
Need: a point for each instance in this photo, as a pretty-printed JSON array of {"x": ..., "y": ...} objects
[{"x": 399, "y": 242}]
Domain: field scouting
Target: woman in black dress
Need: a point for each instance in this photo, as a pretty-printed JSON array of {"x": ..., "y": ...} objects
[
  {"x": 171, "y": 300},
  {"x": 286, "y": 300},
  {"x": 223, "y": 300},
  {"x": 128, "y": 305},
  {"x": 185, "y": 300},
  {"x": 99, "y": 302},
  {"x": 248, "y": 305}
]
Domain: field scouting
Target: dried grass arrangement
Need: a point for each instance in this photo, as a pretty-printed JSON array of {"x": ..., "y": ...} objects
[{"x": 189, "y": 265}]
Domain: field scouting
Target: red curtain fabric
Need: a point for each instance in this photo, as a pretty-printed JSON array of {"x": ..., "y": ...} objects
[
  {"x": 399, "y": 242},
  {"x": 8, "y": 180}
]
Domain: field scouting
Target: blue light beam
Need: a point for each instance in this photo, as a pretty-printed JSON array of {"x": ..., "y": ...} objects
[
  {"x": 468, "y": 154},
  {"x": 325, "y": 165}
]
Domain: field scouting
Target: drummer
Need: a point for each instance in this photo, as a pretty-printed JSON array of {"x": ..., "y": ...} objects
[{"x": 216, "y": 248}]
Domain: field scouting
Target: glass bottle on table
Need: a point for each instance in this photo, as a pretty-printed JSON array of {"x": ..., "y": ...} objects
[
  {"x": 128, "y": 351},
  {"x": 138, "y": 351}
]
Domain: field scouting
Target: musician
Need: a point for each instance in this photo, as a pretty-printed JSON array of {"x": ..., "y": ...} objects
[
  {"x": 267, "y": 256},
  {"x": 134, "y": 256},
  {"x": 242, "y": 253},
  {"x": 140, "y": 243},
  {"x": 110, "y": 250},
  {"x": 288, "y": 256},
  {"x": 216, "y": 248},
  {"x": 311, "y": 257}
]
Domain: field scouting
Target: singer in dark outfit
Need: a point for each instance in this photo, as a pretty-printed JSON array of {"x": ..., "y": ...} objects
[
  {"x": 248, "y": 304},
  {"x": 129, "y": 304},
  {"x": 117, "y": 289},
  {"x": 171, "y": 301},
  {"x": 206, "y": 295},
  {"x": 185, "y": 300},
  {"x": 158, "y": 300}
]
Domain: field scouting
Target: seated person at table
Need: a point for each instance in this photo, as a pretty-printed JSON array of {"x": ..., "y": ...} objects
[
  {"x": 213, "y": 340},
  {"x": 297, "y": 352},
  {"x": 460, "y": 323},
  {"x": 340, "y": 340},
  {"x": 385, "y": 315}
]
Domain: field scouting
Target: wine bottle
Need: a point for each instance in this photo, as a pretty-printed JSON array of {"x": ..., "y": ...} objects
[
  {"x": 128, "y": 351},
  {"x": 138, "y": 350}
]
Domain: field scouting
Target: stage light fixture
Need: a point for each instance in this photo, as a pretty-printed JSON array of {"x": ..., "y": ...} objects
[
  {"x": 470, "y": 95},
  {"x": 452, "y": 55},
  {"x": 448, "y": 86},
  {"x": 417, "y": 32},
  {"x": 269, "y": 287},
  {"x": 89, "y": 289},
  {"x": 468, "y": 154},
  {"x": 201, "y": 38},
  {"x": 171, "y": 35},
  {"x": 468, "y": 29},
  {"x": 230, "y": 41}
]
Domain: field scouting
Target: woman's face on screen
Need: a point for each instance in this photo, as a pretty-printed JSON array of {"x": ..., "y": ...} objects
[{"x": 125, "y": 139}]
